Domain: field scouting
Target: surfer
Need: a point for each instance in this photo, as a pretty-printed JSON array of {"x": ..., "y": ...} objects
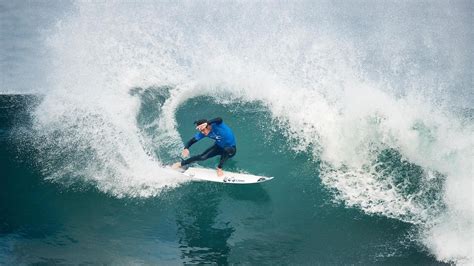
[{"x": 224, "y": 144}]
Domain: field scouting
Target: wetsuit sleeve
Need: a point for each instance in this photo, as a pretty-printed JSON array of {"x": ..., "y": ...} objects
[
  {"x": 190, "y": 143},
  {"x": 216, "y": 120},
  {"x": 195, "y": 139},
  {"x": 199, "y": 136}
]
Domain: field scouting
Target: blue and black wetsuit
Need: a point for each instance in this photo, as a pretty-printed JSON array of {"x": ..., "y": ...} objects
[{"x": 224, "y": 145}]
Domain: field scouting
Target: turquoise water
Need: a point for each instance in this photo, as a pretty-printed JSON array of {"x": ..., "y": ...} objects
[
  {"x": 290, "y": 220},
  {"x": 362, "y": 111}
]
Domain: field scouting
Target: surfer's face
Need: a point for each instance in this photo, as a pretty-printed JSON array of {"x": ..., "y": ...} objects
[{"x": 206, "y": 130}]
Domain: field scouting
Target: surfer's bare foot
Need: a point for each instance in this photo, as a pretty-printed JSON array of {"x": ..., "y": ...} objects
[
  {"x": 176, "y": 165},
  {"x": 220, "y": 172}
]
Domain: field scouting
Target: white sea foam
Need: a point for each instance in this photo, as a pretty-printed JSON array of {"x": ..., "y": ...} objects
[{"x": 348, "y": 88}]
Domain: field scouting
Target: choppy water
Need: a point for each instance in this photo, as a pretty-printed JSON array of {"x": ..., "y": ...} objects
[{"x": 362, "y": 113}]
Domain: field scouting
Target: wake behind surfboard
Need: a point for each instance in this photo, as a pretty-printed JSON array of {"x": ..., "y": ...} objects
[{"x": 206, "y": 174}]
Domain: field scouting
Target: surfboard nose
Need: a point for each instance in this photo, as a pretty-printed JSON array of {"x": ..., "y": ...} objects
[{"x": 262, "y": 179}]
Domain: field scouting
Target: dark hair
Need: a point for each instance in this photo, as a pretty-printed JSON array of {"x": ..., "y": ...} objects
[{"x": 200, "y": 121}]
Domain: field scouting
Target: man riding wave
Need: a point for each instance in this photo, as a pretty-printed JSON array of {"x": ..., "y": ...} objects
[{"x": 224, "y": 144}]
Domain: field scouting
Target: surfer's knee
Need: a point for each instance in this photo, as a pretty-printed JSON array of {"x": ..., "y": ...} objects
[{"x": 231, "y": 151}]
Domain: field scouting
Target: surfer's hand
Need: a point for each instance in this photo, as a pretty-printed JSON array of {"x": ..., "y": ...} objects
[
  {"x": 185, "y": 153},
  {"x": 220, "y": 172}
]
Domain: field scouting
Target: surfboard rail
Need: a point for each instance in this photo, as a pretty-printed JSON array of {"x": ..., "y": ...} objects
[{"x": 207, "y": 174}]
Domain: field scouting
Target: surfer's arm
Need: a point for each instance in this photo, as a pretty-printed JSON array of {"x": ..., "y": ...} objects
[
  {"x": 216, "y": 120},
  {"x": 193, "y": 140},
  {"x": 185, "y": 152},
  {"x": 190, "y": 142}
]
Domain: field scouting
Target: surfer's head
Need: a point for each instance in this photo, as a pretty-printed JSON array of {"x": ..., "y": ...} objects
[{"x": 203, "y": 126}]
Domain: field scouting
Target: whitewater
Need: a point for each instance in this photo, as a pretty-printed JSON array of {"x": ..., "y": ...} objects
[{"x": 355, "y": 86}]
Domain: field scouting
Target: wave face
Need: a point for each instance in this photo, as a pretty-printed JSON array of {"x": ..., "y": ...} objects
[{"x": 375, "y": 93}]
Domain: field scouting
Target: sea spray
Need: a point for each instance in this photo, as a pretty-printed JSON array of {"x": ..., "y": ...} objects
[{"x": 346, "y": 86}]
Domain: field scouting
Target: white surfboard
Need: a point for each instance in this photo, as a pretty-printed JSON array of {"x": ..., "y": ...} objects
[{"x": 206, "y": 174}]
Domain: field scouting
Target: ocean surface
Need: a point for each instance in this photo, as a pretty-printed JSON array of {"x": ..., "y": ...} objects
[{"x": 361, "y": 110}]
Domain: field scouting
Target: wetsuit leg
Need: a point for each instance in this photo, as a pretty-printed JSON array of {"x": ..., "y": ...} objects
[
  {"x": 228, "y": 152},
  {"x": 210, "y": 152}
]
